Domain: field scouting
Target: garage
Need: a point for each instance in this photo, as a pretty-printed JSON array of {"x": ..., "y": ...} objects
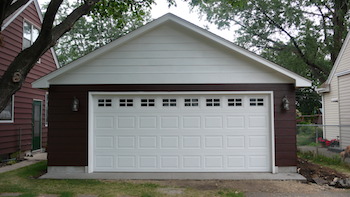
[
  {"x": 180, "y": 132},
  {"x": 171, "y": 100}
]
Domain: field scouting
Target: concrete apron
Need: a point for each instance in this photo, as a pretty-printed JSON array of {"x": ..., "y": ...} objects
[{"x": 165, "y": 176}]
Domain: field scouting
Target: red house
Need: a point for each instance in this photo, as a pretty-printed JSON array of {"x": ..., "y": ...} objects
[{"x": 23, "y": 123}]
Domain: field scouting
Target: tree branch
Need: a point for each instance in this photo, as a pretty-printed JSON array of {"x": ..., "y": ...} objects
[{"x": 7, "y": 8}]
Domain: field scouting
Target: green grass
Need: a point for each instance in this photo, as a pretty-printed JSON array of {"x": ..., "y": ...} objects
[
  {"x": 25, "y": 181},
  {"x": 332, "y": 162}
]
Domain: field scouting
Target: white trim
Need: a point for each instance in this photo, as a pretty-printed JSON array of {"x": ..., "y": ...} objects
[
  {"x": 342, "y": 73},
  {"x": 44, "y": 82},
  {"x": 13, "y": 112},
  {"x": 90, "y": 132},
  {"x": 273, "y": 167},
  {"x": 16, "y": 13},
  {"x": 272, "y": 126},
  {"x": 337, "y": 61}
]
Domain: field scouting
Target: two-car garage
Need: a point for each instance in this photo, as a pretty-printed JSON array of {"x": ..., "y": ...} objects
[
  {"x": 180, "y": 132},
  {"x": 171, "y": 100}
]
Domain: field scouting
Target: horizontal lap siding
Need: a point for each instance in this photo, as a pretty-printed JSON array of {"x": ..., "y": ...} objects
[
  {"x": 344, "y": 109},
  {"x": 10, "y": 133},
  {"x": 68, "y": 131},
  {"x": 169, "y": 54}
]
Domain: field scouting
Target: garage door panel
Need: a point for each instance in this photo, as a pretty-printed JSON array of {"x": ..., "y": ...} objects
[
  {"x": 175, "y": 133},
  {"x": 104, "y": 142},
  {"x": 236, "y": 142}
]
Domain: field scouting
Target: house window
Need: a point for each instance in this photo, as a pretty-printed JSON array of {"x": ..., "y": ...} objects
[
  {"x": 213, "y": 102},
  {"x": 191, "y": 102},
  {"x": 126, "y": 102},
  {"x": 234, "y": 102},
  {"x": 169, "y": 102},
  {"x": 105, "y": 102},
  {"x": 30, "y": 34},
  {"x": 147, "y": 102},
  {"x": 256, "y": 101},
  {"x": 7, "y": 114}
]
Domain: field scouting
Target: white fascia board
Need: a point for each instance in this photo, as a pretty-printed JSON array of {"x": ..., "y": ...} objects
[
  {"x": 15, "y": 14},
  {"x": 337, "y": 61},
  {"x": 299, "y": 81}
]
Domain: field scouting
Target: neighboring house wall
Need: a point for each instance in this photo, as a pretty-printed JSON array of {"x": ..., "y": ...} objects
[
  {"x": 335, "y": 100},
  {"x": 344, "y": 109},
  {"x": 21, "y": 127},
  {"x": 331, "y": 113},
  {"x": 71, "y": 128}
]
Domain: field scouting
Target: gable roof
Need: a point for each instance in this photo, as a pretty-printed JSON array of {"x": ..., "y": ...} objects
[
  {"x": 44, "y": 82},
  {"x": 14, "y": 15},
  {"x": 325, "y": 86}
]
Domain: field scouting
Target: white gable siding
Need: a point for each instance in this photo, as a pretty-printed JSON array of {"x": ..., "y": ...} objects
[{"x": 170, "y": 54}]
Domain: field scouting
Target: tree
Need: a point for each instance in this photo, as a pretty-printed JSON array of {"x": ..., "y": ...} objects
[
  {"x": 51, "y": 32},
  {"x": 311, "y": 32},
  {"x": 90, "y": 33},
  {"x": 304, "y": 36}
]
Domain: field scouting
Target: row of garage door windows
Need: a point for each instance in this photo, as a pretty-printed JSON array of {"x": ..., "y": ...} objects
[{"x": 193, "y": 102}]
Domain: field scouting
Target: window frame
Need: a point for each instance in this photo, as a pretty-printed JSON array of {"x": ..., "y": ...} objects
[
  {"x": 12, "y": 103},
  {"x": 32, "y": 26}
]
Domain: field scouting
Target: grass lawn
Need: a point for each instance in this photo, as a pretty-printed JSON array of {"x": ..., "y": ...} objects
[{"x": 24, "y": 181}]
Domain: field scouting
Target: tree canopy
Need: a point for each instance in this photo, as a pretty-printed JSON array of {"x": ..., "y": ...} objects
[
  {"x": 90, "y": 32},
  {"x": 303, "y": 35}
]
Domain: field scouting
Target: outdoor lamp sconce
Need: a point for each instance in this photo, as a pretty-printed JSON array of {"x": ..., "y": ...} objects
[
  {"x": 285, "y": 103},
  {"x": 75, "y": 104}
]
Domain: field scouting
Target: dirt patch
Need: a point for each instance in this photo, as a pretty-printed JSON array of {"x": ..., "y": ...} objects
[{"x": 313, "y": 172}]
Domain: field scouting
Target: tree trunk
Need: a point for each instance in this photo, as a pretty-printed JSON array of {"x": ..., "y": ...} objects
[
  {"x": 19, "y": 68},
  {"x": 341, "y": 8}
]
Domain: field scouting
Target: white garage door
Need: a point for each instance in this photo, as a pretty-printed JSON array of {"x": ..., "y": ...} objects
[{"x": 181, "y": 133}]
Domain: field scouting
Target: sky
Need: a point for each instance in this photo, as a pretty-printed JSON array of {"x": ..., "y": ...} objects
[{"x": 182, "y": 10}]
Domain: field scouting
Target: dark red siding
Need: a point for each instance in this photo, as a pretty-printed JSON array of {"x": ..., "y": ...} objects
[
  {"x": 68, "y": 136},
  {"x": 10, "y": 47}
]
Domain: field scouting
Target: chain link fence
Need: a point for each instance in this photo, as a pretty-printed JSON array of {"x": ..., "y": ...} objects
[{"x": 312, "y": 135}]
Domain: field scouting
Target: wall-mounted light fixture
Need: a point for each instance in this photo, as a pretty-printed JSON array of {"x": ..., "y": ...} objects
[
  {"x": 75, "y": 104},
  {"x": 285, "y": 103}
]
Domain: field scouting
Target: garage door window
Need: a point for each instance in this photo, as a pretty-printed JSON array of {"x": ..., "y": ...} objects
[
  {"x": 169, "y": 102},
  {"x": 234, "y": 102},
  {"x": 256, "y": 101},
  {"x": 213, "y": 102},
  {"x": 147, "y": 102},
  {"x": 126, "y": 102},
  {"x": 105, "y": 102},
  {"x": 192, "y": 102}
]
